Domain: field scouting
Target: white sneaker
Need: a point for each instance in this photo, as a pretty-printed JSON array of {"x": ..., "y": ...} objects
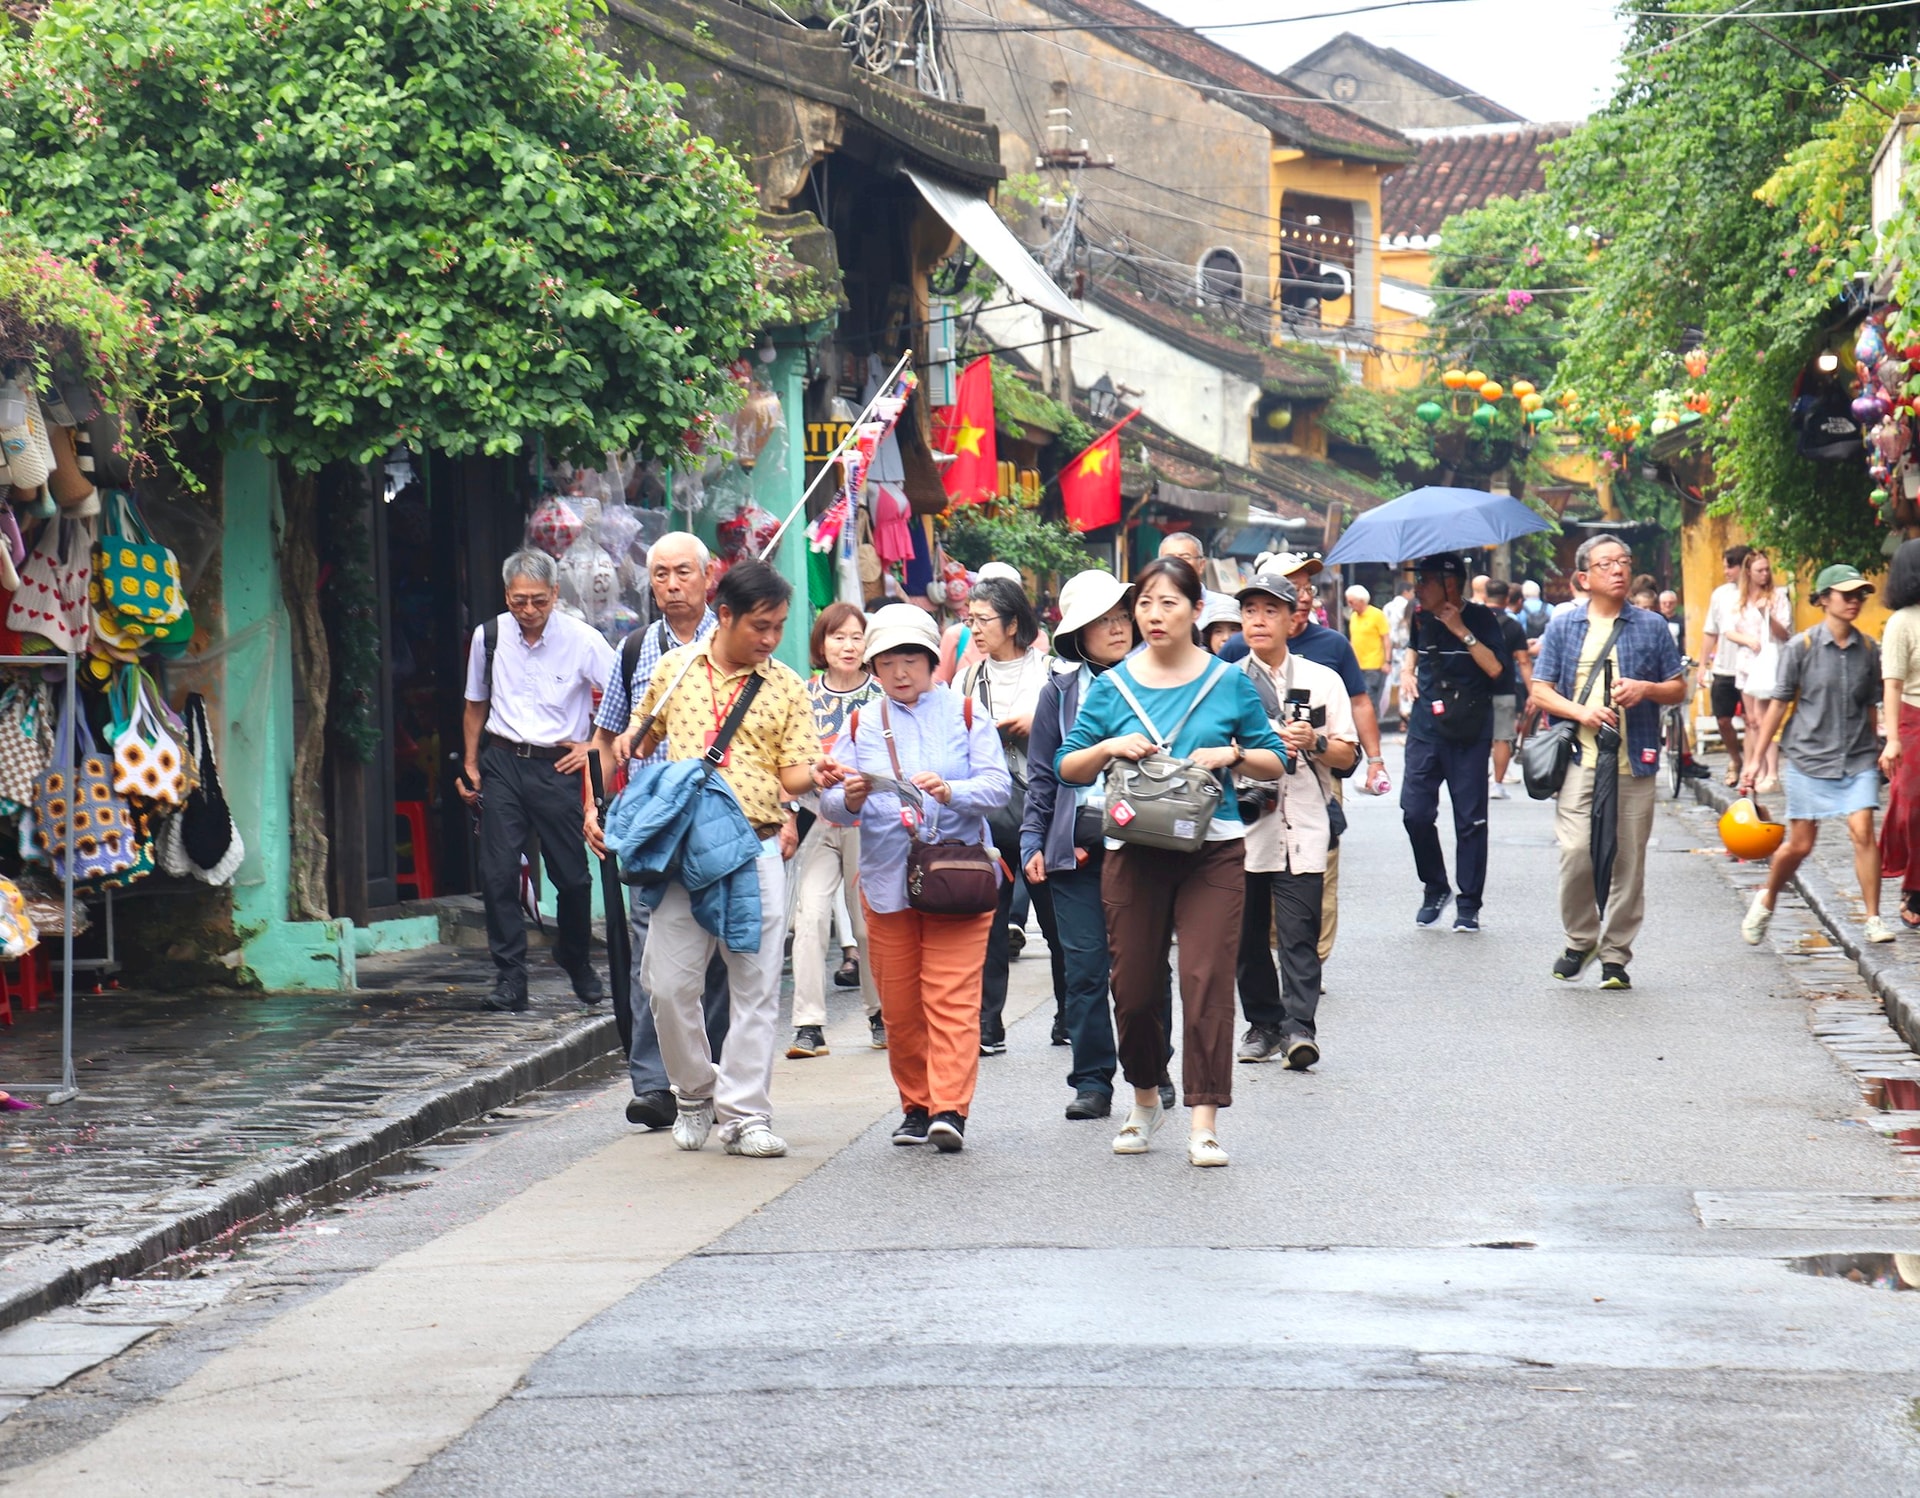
[
  {"x": 1497, "y": 791},
  {"x": 692, "y": 1124},
  {"x": 1204, "y": 1149},
  {"x": 1878, "y": 930},
  {"x": 1759, "y": 916},
  {"x": 758, "y": 1141},
  {"x": 1142, "y": 1124}
]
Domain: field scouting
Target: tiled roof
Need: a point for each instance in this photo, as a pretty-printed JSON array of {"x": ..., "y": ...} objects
[
  {"x": 1296, "y": 116},
  {"x": 1291, "y": 371},
  {"x": 1309, "y": 68},
  {"x": 1461, "y": 169}
]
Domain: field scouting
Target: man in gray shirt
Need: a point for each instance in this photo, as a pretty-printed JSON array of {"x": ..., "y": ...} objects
[{"x": 1831, "y": 675}]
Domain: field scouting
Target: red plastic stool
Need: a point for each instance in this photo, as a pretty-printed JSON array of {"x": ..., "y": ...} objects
[
  {"x": 418, "y": 878},
  {"x": 35, "y": 978}
]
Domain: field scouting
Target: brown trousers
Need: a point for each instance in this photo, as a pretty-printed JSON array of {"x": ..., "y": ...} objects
[{"x": 1149, "y": 895}]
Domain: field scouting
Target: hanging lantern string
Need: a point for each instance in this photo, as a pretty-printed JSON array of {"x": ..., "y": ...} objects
[{"x": 839, "y": 452}]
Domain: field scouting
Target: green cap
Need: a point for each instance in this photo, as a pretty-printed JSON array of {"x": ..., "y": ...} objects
[{"x": 1840, "y": 577}]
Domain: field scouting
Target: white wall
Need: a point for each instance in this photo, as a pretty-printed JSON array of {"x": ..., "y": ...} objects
[{"x": 1194, "y": 400}]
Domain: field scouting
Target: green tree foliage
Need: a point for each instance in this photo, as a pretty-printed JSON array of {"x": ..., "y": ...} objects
[
  {"x": 1383, "y": 424},
  {"x": 1671, "y": 180},
  {"x": 445, "y": 222},
  {"x": 977, "y": 534}
]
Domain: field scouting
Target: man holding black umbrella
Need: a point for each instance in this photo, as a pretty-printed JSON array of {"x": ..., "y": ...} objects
[{"x": 1611, "y": 668}]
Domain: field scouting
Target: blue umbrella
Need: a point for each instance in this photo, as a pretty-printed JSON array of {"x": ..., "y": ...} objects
[{"x": 1431, "y": 520}]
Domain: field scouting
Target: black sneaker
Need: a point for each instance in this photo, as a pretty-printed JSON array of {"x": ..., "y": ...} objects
[
  {"x": 1016, "y": 941},
  {"x": 1572, "y": 963},
  {"x": 1694, "y": 770},
  {"x": 1258, "y": 1045},
  {"x": 947, "y": 1133},
  {"x": 877, "y": 1033},
  {"x": 1431, "y": 909},
  {"x": 993, "y": 1047},
  {"x": 913, "y": 1127},
  {"x": 507, "y": 997},
  {"x": 1090, "y": 1103},
  {"x": 1167, "y": 1096},
  {"x": 1614, "y": 975},
  {"x": 652, "y": 1110},
  {"x": 1301, "y": 1053},
  {"x": 1466, "y": 921},
  {"x": 807, "y": 1041},
  {"x": 847, "y": 975},
  {"x": 1060, "y": 1036},
  {"x": 587, "y": 987}
]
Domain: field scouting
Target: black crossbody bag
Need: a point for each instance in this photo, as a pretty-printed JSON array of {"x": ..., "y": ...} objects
[{"x": 1545, "y": 756}]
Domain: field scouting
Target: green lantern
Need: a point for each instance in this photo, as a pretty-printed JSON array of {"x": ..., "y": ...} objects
[
  {"x": 1482, "y": 417},
  {"x": 1541, "y": 418},
  {"x": 1428, "y": 411}
]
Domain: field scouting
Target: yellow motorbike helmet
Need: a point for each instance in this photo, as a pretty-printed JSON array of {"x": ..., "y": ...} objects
[{"x": 1747, "y": 833}]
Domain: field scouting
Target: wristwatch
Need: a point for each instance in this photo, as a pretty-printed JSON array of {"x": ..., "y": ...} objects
[
  {"x": 1319, "y": 743},
  {"x": 1239, "y": 757}
]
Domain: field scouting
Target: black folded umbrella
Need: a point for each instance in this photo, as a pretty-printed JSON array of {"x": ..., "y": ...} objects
[
  {"x": 1603, "y": 825},
  {"x": 613, "y": 895}
]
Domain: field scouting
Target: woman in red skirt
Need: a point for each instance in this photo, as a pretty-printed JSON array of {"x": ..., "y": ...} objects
[{"x": 1900, "y": 721}]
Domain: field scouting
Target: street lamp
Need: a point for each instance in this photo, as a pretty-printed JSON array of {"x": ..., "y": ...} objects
[{"x": 1102, "y": 398}]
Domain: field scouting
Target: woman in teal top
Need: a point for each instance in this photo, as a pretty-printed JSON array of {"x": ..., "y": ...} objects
[{"x": 1150, "y": 893}]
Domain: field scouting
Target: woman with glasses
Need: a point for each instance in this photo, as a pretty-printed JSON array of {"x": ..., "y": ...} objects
[
  {"x": 1005, "y": 685},
  {"x": 1213, "y": 716}
]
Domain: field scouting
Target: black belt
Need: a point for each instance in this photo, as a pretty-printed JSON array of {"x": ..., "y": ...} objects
[{"x": 529, "y": 751}]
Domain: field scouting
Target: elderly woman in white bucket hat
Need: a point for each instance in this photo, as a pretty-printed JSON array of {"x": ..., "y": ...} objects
[
  {"x": 927, "y": 966},
  {"x": 1060, "y": 840}
]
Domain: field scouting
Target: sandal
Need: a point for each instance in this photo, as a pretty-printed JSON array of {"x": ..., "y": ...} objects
[{"x": 1910, "y": 917}]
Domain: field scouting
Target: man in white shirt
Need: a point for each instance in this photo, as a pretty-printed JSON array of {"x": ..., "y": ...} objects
[
  {"x": 1718, "y": 667},
  {"x": 1289, "y": 838},
  {"x": 531, "y": 679}
]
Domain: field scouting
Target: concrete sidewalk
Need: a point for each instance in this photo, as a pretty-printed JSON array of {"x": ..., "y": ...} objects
[{"x": 200, "y": 1112}]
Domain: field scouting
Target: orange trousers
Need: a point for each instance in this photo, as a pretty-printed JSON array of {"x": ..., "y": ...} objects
[{"x": 928, "y": 970}]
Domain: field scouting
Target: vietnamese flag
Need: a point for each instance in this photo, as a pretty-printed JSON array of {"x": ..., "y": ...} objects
[
  {"x": 973, "y": 477},
  {"x": 1090, "y": 484}
]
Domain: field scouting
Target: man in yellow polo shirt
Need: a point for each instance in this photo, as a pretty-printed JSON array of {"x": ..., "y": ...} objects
[
  {"x": 771, "y": 758},
  {"x": 1369, "y": 632}
]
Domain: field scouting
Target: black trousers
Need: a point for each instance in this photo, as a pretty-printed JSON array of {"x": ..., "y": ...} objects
[
  {"x": 993, "y": 986},
  {"x": 1281, "y": 917},
  {"x": 522, "y": 797}
]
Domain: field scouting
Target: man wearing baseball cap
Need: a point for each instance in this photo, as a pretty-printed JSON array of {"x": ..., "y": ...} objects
[
  {"x": 1831, "y": 675},
  {"x": 1457, "y": 658}
]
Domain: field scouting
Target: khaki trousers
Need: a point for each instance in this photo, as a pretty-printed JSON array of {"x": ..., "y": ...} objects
[
  {"x": 828, "y": 861},
  {"x": 1627, "y": 898},
  {"x": 1330, "y": 890}
]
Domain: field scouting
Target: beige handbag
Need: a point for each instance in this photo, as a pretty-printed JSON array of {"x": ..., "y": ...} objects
[{"x": 1160, "y": 801}]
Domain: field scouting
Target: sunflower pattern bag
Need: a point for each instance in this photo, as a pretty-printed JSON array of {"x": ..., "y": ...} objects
[{"x": 81, "y": 819}]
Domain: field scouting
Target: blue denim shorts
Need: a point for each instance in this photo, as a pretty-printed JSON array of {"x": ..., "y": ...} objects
[{"x": 1813, "y": 798}]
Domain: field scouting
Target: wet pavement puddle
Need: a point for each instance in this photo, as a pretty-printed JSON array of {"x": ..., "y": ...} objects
[{"x": 1883, "y": 1271}]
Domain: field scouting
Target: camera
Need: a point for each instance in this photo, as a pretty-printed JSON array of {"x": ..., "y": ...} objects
[{"x": 1300, "y": 709}]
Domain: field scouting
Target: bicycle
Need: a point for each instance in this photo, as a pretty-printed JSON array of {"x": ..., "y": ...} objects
[{"x": 1676, "y": 744}]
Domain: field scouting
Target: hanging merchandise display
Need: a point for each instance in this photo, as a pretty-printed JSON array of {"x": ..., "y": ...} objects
[
  {"x": 26, "y": 741},
  {"x": 553, "y": 527},
  {"x": 17, "y": 933},
  {"x": 81, "y": 819},
  {"x": 146, "y": 758},
  {"x": 52, "y": 600},
  {"x": 208, "y": 839},
  {"x": 135, "y": 581}
]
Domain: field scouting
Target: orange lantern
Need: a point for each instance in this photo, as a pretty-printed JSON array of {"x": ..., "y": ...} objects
[
  {"x": 1523, "y": 389},
  {"x": 1476, "y": 378},
  {"x": 1453, "y": 379},
  {"x": 1530, "y": 400},
  {"x": 1491, "y": 391}
]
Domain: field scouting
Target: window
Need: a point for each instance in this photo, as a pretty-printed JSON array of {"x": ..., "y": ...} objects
[{"x": 1221, "y": 277}]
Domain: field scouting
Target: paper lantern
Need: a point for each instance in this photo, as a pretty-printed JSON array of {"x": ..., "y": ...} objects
[
  {"x": 1453, "y": 379},
  {"x": 1429, "y": 411},
  {"x": 1695, "y": 361},
  {"x": 1476, "y": 378},
  {"x": 1491, "y": 391},
  {"x": 1541, "y": 418},
  {"x": 1530, "y": 400},
  {"x": 1523, "y": 388},
  {"x": 1483, "y": 417},
  {"x": 1869, "y": 346}
]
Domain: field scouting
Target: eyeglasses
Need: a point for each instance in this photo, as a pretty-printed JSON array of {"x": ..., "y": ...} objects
[
  {"x": 1612, "y": 564},
  {"x": 1118, "y": 619},
  {"x": 981, "y": 621}
]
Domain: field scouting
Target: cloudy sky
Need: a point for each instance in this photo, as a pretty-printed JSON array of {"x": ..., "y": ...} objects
[{"x": 1545, "y": 59}]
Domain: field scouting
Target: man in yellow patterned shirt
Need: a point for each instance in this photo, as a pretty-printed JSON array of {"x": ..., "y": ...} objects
[{"x": 772, "y": 756}]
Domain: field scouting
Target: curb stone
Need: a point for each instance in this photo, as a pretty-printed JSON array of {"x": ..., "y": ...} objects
[
  {"x": 55, "y": 1275},
  {"x": 1894, "y": 980}
]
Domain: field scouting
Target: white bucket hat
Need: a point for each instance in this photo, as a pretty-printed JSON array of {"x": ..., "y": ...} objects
[
  {"x": 1004, "y": 570},
  {"x": 901, "y": 624},
  {"x": 1219, "y": 610},
  {"x": 1086, "y": 597}
]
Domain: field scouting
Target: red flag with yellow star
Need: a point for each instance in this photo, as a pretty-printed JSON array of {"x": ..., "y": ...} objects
[
  {"x": 973, "y": 477},
  {"x": 1090, "y": 483}
]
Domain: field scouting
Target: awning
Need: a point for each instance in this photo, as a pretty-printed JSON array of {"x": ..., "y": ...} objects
[
  {"x": 1222, "y": 504},
  {"x": 972, "y": 217}
]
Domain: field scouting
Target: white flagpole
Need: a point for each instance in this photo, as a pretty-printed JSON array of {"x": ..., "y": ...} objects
[{"x": 834, "y": 457}]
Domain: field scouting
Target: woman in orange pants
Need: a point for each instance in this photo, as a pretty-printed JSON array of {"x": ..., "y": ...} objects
[{"x": 927, "y": 967}]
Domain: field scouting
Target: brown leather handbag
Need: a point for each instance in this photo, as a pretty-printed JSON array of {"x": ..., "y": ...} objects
[{"x": 945, "y": 878}]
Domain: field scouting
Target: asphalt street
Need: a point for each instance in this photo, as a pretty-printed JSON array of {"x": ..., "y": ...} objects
[{"x": 1510, "y": 1236}]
